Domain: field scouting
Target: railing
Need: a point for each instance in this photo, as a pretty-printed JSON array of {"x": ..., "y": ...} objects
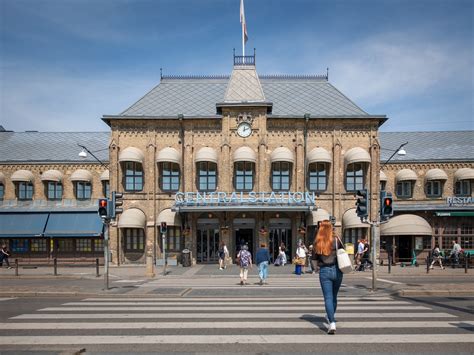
[{"x": 244, "y": 60}]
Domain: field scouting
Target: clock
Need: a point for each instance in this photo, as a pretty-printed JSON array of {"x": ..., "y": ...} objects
[{"x": 244, "y": 130}]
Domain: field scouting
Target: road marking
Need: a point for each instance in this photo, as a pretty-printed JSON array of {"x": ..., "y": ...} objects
[
  {"x": 232, "y": 339},
  {"x": 236, "y": 325},
  {"x": 284, "y": 304},
  {"x": 233, "y": 308},
  {"x": 388, "y": 281},
  {"x": 287, "y": 300},
  {"x": 129, "y": 281},
  {"x": 238, "y": 315},
  {"x": 7, "y": 298}
]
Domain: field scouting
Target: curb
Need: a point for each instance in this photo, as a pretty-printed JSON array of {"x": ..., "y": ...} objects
[{"x": 433, "y": 293}]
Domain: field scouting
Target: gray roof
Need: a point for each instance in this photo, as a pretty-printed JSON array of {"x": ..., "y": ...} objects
[
  {"x": 62, "y": 147},
  {"x": 52, "y": 146},
  {"x": 428, "y": 146},
  {"x": 197, "y": 97}
]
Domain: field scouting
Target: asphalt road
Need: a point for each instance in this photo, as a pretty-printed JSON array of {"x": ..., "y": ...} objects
[{"x": 240, "y": 323}]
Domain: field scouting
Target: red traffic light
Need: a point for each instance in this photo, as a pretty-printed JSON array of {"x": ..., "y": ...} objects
[
  {"x": 103, "y": 203},
  {"x": 387, "y": 201}
]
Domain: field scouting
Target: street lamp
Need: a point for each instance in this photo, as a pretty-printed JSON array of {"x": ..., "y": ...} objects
[
  {"x": 400, "y": 151},
  {"x": 85, "y": 151}
]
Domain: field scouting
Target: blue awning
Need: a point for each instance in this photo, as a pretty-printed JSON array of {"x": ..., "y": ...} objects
[
  {"x": 22, "y": 225},
  {"x": 73, "y": 224}
]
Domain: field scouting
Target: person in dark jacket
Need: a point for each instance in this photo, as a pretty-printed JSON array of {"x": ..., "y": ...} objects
[{"x": 262, "y": 258}]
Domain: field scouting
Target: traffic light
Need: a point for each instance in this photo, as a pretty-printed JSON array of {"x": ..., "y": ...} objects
[
  {"x": 103, "y": 208},
  {"x": 386, "y": 205},
  {"x": 163, "y": 228},
  {"x": 362, "y": 208},
  {"x": 115, "y": 204}
]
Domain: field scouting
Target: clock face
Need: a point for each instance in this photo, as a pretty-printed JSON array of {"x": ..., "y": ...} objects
[{"x": 244, "y": 130}]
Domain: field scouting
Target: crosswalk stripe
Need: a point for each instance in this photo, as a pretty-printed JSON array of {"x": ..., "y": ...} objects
[
  {"x": 6, "y": 298},
  {"x": 240, "y": 299},
  {"x": 234, "y": 325},
  {"x": 213, "y": 308},
  {"x": 239, "y": 315},
  {"x": 232, "y": 339},
  {"x": 158, "y": 303}
]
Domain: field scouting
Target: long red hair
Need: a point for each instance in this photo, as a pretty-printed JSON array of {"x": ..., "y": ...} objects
[{"x": 324, "y": 239}]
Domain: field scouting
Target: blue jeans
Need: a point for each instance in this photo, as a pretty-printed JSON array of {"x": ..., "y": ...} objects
[
  {"x": 330, "y": 278},
  {"x": 263, "y": 270}
]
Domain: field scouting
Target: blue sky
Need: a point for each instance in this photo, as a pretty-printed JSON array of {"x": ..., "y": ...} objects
[{"x": 65, "y": 63}]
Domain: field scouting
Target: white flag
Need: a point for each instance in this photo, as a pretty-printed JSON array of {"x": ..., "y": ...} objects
[{"x": 242, "y": 21}]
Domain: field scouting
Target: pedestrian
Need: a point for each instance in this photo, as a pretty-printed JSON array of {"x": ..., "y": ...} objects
[
  {"x": 436, "y": 254},
  {"x": 330, "y": 277},
  {"x": 454, "y": 255},
  {"x": 262, "y": 258},
  {"x": 245, "y": 261},
  {"x": 223, "y": 254},
  {"x": 4, "y": 255},
  {"x": 312, "y": 260},
  {"x": 366, "y": 263},
  {"x": 300, "y": 258},
  {"x": 360, "y": 253}
]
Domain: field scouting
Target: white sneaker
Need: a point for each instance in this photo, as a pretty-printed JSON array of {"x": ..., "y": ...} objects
[{"x": 332, "y": 328}]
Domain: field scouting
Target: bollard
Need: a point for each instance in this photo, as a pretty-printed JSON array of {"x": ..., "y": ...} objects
[
  {"x": 55, "y": 265},
  {"x": 97, "y": 267},
  {"x": 16, "y": 267},
  {"x": 427, "y": 264},
  {"x": 389, "y": 264},
  {"x": 466, "y": 261}
]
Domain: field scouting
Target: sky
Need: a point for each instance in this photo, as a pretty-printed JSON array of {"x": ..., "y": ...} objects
[{"x": 65, "y": 63}]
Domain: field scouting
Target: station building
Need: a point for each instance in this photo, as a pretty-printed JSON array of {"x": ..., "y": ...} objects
[{"x": 243, "y": 159}]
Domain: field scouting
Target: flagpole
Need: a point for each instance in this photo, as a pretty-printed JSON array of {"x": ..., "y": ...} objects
[{"x": 243, "y": 40}]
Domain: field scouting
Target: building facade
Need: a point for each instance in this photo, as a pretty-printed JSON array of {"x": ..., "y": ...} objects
[{"x": 239, "y": 159}]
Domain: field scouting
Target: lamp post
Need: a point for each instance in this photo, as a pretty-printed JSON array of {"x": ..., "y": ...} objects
[
  {"x": 376, "y": 224},
  {"x": 106, "y": 221}
]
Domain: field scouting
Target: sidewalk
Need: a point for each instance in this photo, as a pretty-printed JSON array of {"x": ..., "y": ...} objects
[{"x": 82, "y": 281}]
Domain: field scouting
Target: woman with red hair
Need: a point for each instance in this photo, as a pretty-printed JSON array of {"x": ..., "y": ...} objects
[{"x": 330, "y": 277}]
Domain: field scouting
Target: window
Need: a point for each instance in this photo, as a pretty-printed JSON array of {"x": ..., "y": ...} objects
[
  {"x": 134, "y": 240},
  {"x": 65, "y": 245},
  {"x": 106, "y": 188},
  {"x": 383, "y": 185},
  {"x": 317, "y": 177},
  {"x": 462, "y": 188},
  {"x": 173, "y": 239},
  {"x": 352, "y": 235},
  {"x": 83, "y": 190},
  {"x": 25, "y": 190},
  {"x": 84, "y": 245},
  {"x": 466, "y": 229},
  {"x": 98, "y": 245},
  {"x": 207, "y": 176},
  {"x": 133, "y": 176},
  {"x": 54, "y": 190},
  {"x": 448, "y": 243},
  {"x": 169, "y": 173},
  {"x": 467, "y": 242},
  {"x": 38, "y": 245},
  {"x": 19, "y": 245},
  {"x": 243, "y": 175},
  {"x": 281, "y": 176},
  {"x": 2, "y": 191},
  {"x": 427, "y": 242},
  {"x": 404, "y": 189},
  {"x": 450, "y": 229},
  {"x": 355, "y": 177},
  {"x": 433, "y": 189}
]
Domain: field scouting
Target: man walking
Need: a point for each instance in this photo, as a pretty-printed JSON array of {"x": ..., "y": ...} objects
[{"x": 262, "y": 258}]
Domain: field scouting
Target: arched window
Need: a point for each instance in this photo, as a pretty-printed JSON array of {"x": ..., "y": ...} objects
[
  {"x": 244, "y": 175},
  {"x": 169, "y": 176},
  {"x": 355, "y": 176},
  {"x": 281, "y": 176},
  {"x": 83, "y": 190},
  {"x": 207, "y": 176},
  {"x": 54, "y": 190},
  {"x": 318, "y": 176},
  {"x": 133, "y": 176},
  {"x": 24, "y": 190}
]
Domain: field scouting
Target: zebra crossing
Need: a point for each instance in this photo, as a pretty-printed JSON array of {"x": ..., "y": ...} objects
[{"x": 233, "y": 320}]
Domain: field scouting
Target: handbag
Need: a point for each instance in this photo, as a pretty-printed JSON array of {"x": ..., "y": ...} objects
[{"x": 343, "y": 261}]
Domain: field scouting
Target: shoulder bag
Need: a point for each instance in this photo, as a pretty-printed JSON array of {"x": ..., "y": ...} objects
[{"x": 343, "y": 261}]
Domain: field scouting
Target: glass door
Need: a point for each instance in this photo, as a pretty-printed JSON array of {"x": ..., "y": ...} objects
[
  {"x": 207, "y": 245},
  {"x": 278, "y": 236}
]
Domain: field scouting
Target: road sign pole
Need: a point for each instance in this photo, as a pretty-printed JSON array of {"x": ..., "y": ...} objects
[
  {"x": 106, "y": 254},
  {"x": 163, "y": 252}
]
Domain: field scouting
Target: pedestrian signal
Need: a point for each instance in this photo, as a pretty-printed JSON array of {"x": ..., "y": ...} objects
[
  {"x": 103, "y": 208},
  {"x": 163, "y": 228}
]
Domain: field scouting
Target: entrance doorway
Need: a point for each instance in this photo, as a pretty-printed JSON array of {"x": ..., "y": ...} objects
[
  {"x": 278, "y": 236},
  {"x": 207, "y": 245},
  {"x": 405, "y": 247},
  {"x": 244, "y": 236}
]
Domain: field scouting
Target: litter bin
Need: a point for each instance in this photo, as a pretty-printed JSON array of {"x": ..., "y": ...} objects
[{"x": 186, "y": 257}]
